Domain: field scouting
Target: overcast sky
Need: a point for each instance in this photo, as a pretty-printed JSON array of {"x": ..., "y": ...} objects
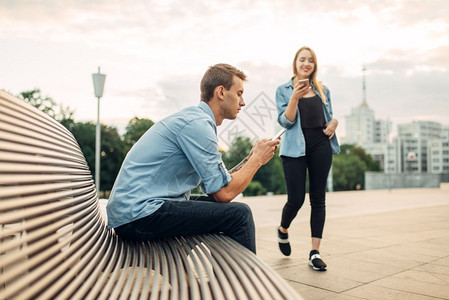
[{"x": 154, "y": 53}]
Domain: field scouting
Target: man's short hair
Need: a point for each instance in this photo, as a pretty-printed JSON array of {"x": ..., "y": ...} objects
[{"x": 216, "y": 75}]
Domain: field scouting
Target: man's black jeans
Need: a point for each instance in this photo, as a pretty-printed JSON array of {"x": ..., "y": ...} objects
[{"x": 201, "y": 215}]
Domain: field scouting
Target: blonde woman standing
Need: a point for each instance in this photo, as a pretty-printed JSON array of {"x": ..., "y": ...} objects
[{"x": 305, "y": 110}]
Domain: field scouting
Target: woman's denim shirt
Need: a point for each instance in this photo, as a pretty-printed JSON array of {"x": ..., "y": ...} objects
[{"x": 293, "y": 143}]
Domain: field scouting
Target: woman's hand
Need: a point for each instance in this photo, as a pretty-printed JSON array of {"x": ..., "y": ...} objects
[
  {"x": 300, "y": 90},
  {"x": 330, "y": 127}
]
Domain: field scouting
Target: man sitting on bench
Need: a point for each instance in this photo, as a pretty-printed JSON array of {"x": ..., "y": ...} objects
[{"x": 151, "y": 196}]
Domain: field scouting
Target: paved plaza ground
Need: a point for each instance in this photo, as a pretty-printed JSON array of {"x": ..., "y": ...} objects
[{"x": 385, "y": 244}]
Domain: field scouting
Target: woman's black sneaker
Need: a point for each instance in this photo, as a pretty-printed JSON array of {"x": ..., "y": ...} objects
[
  {"x": 284, "y": 244},
  {"x": 316, "y": 262}
]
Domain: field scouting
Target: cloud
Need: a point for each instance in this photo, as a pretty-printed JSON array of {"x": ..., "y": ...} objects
[
  {"x": 395, "y": 95},
  {"x": 439, "y": 56},
  {"x": 412, "y": 12},
  {"x": 155, "y": 52}
]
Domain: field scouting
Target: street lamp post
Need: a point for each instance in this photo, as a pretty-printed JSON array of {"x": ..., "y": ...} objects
[{"x": 99, "y": 80}]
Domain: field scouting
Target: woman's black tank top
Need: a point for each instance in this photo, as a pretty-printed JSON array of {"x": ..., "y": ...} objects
[{"x": 311, "y": 112}]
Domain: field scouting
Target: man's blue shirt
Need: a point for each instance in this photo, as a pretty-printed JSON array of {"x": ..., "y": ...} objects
[{"x": 173, "y": 157}]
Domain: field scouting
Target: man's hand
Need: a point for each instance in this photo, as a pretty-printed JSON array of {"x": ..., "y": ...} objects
[
  {"x": 243, "y": 173},
  {"x": 264, "y": 150},
  {"x": 245, "y": 160}
]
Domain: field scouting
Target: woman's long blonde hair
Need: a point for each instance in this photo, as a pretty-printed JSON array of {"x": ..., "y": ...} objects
[{"x": 312, "y": 78}]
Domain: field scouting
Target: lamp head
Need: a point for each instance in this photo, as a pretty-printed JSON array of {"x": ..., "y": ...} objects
[{"x": 99, "y": 80}]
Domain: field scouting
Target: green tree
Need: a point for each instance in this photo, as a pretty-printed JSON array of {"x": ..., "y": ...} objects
[
  {"x": 35, "y": 98},
  {"x": 112, "y": 155},
  {"x": 84, "y": 133},
  {"x": 271, "y": 175},
  {"x": 269, "y": 178},
  {"x": 255, "y": 188},
  {"x": 134, "y": 130},
  {"x": 63, "y": 114},
  {"x": 350, "y": 166},
  {"x": 370, "y": 163},
  {"x": 111, "y": 152},
  {"x": 348, "y": 172},
  {"x": 239, "y": 149}
]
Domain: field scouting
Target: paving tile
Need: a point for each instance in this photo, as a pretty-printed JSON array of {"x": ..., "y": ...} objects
[
  {"x": 428, "y": 248},
  {"x": 437, "y": 247},
  {"x": 281, "y": 262},
  {"x": 436, "y": 267},
  {"x": 310, "y": 292},
  {"x": 360, "y": 271},
  {"x": 340, "y": 297},
  {"x": 348, "y": 246},
  {"x": 329, "y": 280},
  {"x": 414, "y": 286},
  {"x": 375, "y": 292},
  {"x": 423, "y": 276},
  {"x": 399, "y": 254},
  {"x": 385, "y": 257},
  {"x": 442, "y": 262}
]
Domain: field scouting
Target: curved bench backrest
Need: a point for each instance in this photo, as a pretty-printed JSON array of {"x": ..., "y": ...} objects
[
  {"x": 54, "y": 242},
  {"x": 48, "y": 200}
]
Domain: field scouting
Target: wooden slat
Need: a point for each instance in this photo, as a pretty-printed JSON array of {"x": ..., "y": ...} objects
[
  {"x": 191, "y": 279},
  {"x": 96, "y": 282},
  {"x": 219, "y": 286},
  {"x": 10, "y": 179},
  {"x": 33, "y": 195},
  {"x": 20, "y": 114},
  {"x": 113, "y": 274},
  {"x": 29, "y": 144},
  {"x": 21, "y": 168},
  {"x": 70, "y": 282},
  {"x": 149, "y": 265},
  {"x": 13, "y": 192},
  {"x": 26, "y": 160},
  {"x": 11, "y": 146},
  {"x": 57, "y": 225},
  {"x": 42, "y": 270},
  {"x": 42, "y": 139}
]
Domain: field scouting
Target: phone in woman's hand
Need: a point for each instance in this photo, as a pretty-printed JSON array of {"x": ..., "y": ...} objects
[{"x": 303, "y": 82}]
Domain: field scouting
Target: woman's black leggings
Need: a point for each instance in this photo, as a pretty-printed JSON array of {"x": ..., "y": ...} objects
[{"x": 317, "y": 162}]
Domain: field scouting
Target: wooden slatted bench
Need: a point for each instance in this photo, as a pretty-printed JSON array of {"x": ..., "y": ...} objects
[{"x": 54, "y": 242}]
